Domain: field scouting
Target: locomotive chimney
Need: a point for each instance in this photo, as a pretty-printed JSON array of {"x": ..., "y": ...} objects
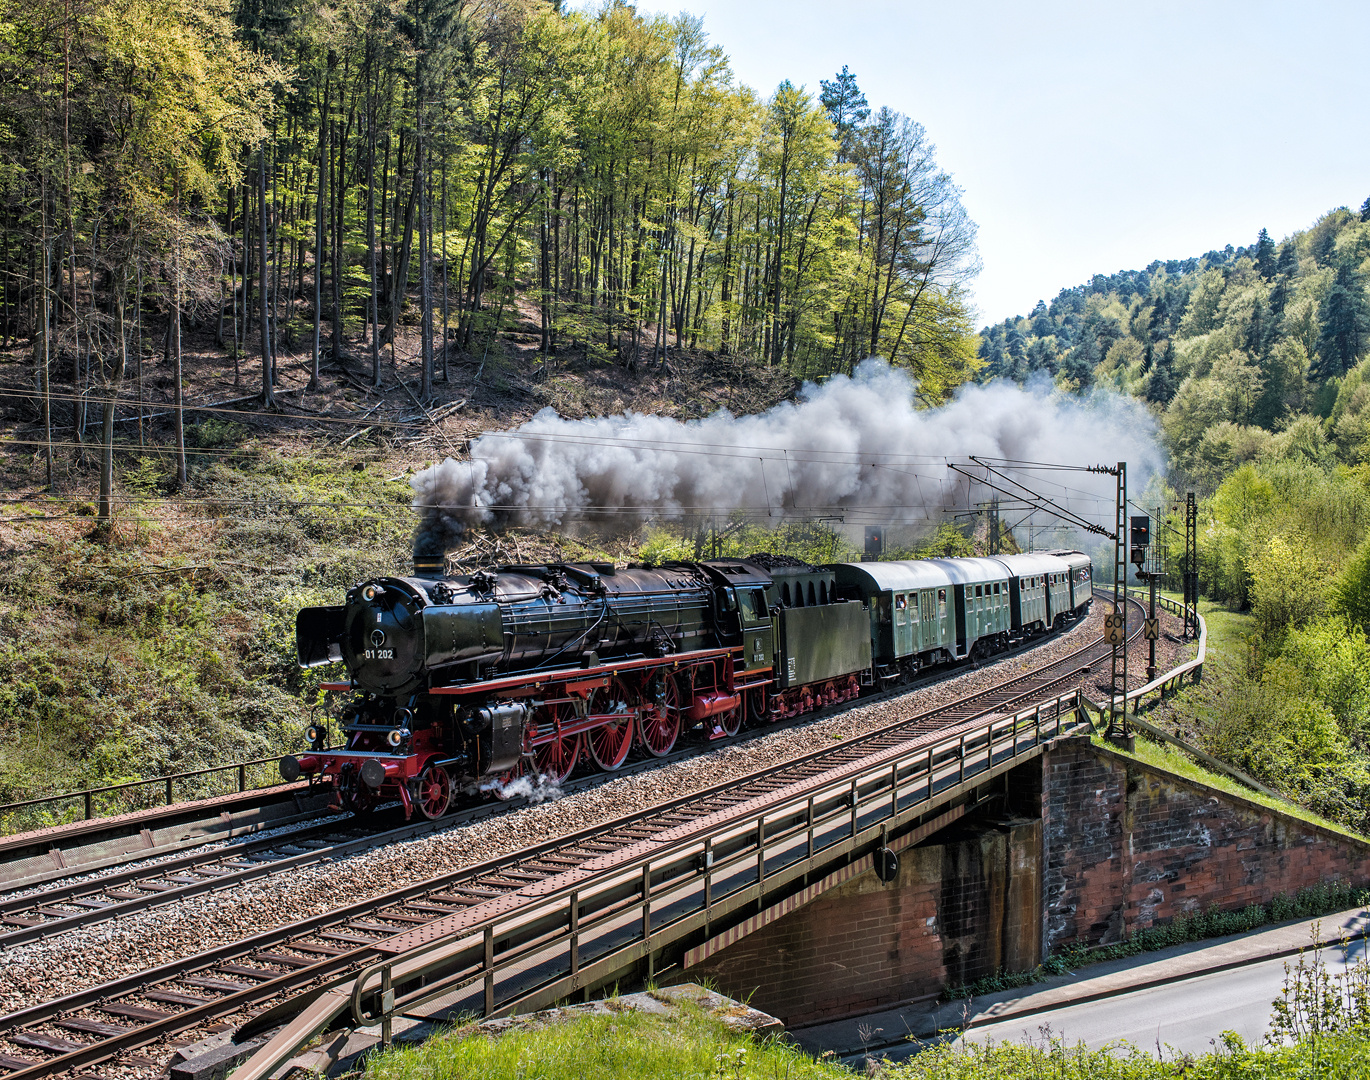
[{"x": 429, "y": 565}]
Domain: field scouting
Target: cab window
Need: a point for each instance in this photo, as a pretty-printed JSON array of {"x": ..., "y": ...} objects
[{"x": 753, "y": 605}]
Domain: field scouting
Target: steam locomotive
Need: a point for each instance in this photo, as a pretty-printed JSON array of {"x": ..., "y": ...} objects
[{"x": 464, "y": 683}]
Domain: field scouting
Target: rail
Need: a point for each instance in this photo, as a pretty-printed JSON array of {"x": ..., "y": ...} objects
[
  {"x": 621, "y": 911},
  {"x": 158, "y": 784}
]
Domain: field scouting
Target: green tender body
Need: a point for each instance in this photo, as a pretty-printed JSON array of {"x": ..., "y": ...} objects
[{"x": 819, "y": 643}]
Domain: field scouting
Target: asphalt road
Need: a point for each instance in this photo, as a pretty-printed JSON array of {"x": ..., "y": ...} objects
[
  {"x": 1181, "y": 1017},
  {"x": 1184, "y": 1016}
]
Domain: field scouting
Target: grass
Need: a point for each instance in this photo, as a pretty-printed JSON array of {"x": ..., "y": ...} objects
[
  {"x": 691, "y": 1045},
  {"x": 1227, "y": 630},
  {"x": 625, "y": 1045},
  {"x": 1339, "y": 1057}
]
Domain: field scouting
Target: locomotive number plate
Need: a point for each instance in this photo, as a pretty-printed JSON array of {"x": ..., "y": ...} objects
[{"x": 379, "y": 654}]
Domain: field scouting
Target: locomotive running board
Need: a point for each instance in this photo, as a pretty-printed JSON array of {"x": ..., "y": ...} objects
[{"x": 531, "y": 682}]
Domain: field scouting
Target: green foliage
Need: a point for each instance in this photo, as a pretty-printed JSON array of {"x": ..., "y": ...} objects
[
  {"x": 947, "y": 542},
  {"x": 1281, "y": 725},
  {"x": 1287, "y": 584},
  {"x": 1351, "y": 589},
  {"x": 814, "y": 542}
]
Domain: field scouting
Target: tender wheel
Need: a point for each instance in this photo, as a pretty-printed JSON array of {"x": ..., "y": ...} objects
[
  {"x": 434, "y": 797},
  {"x": 555, "y": 759},
  {"x": 610, "y": 742},
  {"x": 659, "y": 726}
]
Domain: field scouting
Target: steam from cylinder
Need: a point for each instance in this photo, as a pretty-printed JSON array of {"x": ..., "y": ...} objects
[{"x": 856, "y": 447}]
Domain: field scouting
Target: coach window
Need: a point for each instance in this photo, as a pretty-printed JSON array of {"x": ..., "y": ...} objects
[
  {"x": 901, "y": 602},
  {"x": 941, "y": 603}
]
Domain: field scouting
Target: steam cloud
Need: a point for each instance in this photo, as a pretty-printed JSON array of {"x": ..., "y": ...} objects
[
  {"x": 536, "y": 789},
  {"x": 853, "y": 446}
]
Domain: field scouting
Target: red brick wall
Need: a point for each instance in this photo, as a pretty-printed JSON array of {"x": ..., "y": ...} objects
[
  {"x": 1127, "y": 847},
  {"x": 961, "y": 907}
]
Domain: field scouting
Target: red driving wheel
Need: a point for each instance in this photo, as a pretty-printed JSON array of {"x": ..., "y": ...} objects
[
  {"x": 660, "y": 724},
  {"x": 730, "y": 721},
  {"x": 556, "y": 758},
  {"x": 610, "y": 742}
]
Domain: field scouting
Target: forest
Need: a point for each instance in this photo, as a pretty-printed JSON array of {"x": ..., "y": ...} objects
[
  {"x": 387, "y": 181},
  {"x": 1254, "y": 362}
]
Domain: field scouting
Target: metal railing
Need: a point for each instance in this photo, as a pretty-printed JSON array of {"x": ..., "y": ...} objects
[
  {"x": 1170, "y": 683},
  {"x": 590, "y": 925},
  {"x": 157, "y": 789}
]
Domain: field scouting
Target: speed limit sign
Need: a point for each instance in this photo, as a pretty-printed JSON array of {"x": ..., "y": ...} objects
[{"x": 1115, "y": 628}]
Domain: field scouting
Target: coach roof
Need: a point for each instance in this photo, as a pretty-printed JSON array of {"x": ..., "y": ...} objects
[{"x": 895, "y": 576}]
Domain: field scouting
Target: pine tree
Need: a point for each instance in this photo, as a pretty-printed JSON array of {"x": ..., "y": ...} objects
[
  {"x": 1161, "y": 386},
  {"x": 1365, "y": 210},
  {"x": 846, "y": 107},
  {"x": 1344, "y": 325},
  {"x": 1265, "y": 255}
]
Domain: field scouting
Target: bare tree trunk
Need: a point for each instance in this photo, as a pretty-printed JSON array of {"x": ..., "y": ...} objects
[
  {"x": 111, "y": 400},
  {"x": 425, "y": 252},
  {"x": 371, "y": 244},
  {"x": 233, "y": 281},
  {"x": 45, "y": 356},
  {"x": 320, "y": 199},
  {"x": 268, "y": 366},
  {"x": 444, "y": 267},
  {"x": 181, "y": 473},
  {"x": 138, "y": 342}
]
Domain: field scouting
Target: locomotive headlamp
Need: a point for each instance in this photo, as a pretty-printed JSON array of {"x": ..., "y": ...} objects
[
  {"x": 314, "y": 734},
  {"x": 397, "y": 736},
  {"x": 370, "y": 592}
]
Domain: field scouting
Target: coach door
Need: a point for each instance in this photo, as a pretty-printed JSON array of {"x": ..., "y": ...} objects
[{"x": 959, "y": 603}]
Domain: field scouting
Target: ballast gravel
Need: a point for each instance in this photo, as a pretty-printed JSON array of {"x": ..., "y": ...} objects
[{"x": 40, "y": 971}]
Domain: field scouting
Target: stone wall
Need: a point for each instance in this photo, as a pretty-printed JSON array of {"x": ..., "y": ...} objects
[{"x": 1127, "y": 847}]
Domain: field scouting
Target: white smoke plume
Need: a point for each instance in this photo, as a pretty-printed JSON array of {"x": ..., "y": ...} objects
[{"x": 856, "y": 447}]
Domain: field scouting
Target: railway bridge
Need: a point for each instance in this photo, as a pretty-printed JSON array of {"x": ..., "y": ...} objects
[{"x": 930, "y": 859}]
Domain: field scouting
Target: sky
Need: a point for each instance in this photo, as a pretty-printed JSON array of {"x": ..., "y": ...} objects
[{"x": 1093, "y": 137}]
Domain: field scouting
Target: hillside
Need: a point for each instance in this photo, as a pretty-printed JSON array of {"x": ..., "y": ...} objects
[{"x": 1254, "y": 362}]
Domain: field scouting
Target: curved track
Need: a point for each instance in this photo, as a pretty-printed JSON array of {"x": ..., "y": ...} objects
[
  {"x": 85, "y": 898},
  {"x": 111, "y": 1021}
]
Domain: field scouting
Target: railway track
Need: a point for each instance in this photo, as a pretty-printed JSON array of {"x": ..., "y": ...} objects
[
  {"x": 133, "y": 1023},
  {"x": 63, "y": 905}
]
